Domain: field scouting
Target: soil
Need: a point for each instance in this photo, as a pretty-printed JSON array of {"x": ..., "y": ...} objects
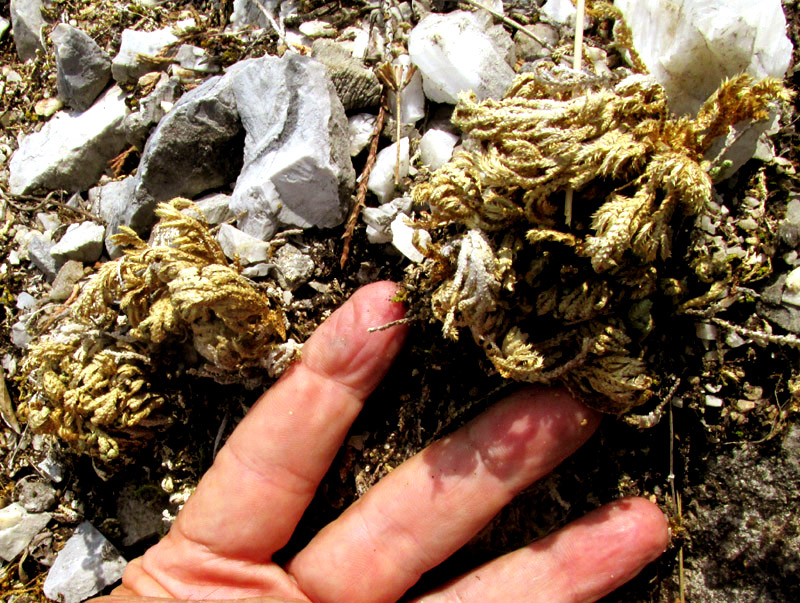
[{"x": 728, "y": 479}]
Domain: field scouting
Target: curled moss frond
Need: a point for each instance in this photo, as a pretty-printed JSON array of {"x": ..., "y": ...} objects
[{"x": 162, "y": 308}]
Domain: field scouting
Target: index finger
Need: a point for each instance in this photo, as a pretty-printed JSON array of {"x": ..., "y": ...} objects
[{"x": 249, "y": 502}]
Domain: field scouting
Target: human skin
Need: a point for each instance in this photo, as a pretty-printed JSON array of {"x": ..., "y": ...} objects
[{"x": 249, "y": 502}]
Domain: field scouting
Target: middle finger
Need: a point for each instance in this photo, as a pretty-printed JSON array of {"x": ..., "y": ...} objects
[{"x": 435, "y": 502}]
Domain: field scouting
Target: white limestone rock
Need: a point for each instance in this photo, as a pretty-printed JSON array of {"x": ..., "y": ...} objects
[
  {"x": 403, "y": 238},
  {"x": 71, "y": 151},
  {"x": 436, "y": 148},
  {"x": 559, "y": 11},
  {"x": 379, "y": 219},
  {"x": 17, "y": 529},
  {"x": 83, "y": 68},
  {"x": 459, "y": 52},
  {"x": 360, "y": 127},
  {"x": 5, "y": 25},
  {"x": 82, "y": 242},
  {"x": 130, "y": 62},
  {"x": 216, "y": 208},
  {"x": 297, "y": 169},
  {"x": 85, "y": 566},
  {"x": 381, "y": 178},
  {"x": 690, "y": 46},
  {"x": 234, "y": 242},
  {"x": 412, "y": 97}
]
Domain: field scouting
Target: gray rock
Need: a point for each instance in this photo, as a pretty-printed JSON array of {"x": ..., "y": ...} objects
[
  {"x": 109, "y": 202},
  {"x": 196, "y": 147},
  {"x": 297, "y": 169},
  {"x": 528, "y": 49},
  {"x": 248, "y": 12},
  {"x": 151, "y": 109},
  {"x": 52, "y": 468},
  {"x": 285, "y": 114},
  {"x": 35, "y": 495},
  {"x": 786, "y": 316},
  {"x": 71, "y": 151},
  {"x": 234, "y": 242},
  {"x": 83, "y": 68},
  {"x": 85, "y": 566},
  {"x": 295, "y": 266},
  {"x": 139, "y": 515},
  {"x": 69, "y": 274},
  {"x": 131, "y": 62},
  {"x": 111, "y": 199},
  {"x": 82, "y": 242},
  {"x": 17, "y": 529},
  {"x": 216, "y": 208},
  {"x": 357, "y": 86},
  {"x": 39, "y": 247},
  {"x": 26, "y": 25},
  {"x": 196, "y": 59},
  {"x": 458, "y": 52}
]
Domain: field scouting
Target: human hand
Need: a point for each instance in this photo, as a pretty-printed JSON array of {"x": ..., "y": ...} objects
[{"x": 248, "y": 504}]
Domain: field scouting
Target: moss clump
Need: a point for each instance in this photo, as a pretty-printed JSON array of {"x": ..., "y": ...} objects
[
  {"x": 553, "y": 228},
  {"x": 163, "y": 309}
]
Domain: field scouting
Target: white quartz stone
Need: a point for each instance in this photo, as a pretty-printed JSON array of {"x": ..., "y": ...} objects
[
  {"x": 436, "y": 148},
  {"x": 403, "y": 238},
  {"x": 381, "y": 178},
  {"x": 457, "y": 52},
  {"x": 690, "y": 46}
]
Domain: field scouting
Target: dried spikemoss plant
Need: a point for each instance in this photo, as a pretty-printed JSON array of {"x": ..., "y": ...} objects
[
  {"x": 551, "y": 228},
  {"x": 161, "y": 310}
]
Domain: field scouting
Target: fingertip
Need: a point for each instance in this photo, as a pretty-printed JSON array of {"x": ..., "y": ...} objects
[
  {"x": 346, "y": 350},
  {"x": 647, "y": 525}
]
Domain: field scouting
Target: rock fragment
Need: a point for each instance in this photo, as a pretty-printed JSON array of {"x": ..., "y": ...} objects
[
  {"x": 71, "y": 151},
  {"x": 83, "y": 68},
  {"x": 82, "y": 242},
  {"x": 17, "y": 529},
  {"x": 35, "y": 495},
  {"x": 216, "y": 208},
  {"x": 297, "y": 169},
  {"x": 236, "y": 243},
  {"x": 381, "y": 178},
  {"x": 457, "y": 52},
  {"x": 131, "y": 60},
  {"x": 436, "y": 148},
  {"x": 197, "y": 146},
  {"x": 139, "y": 516},
  {"x": 295, "y": 266},
  {"x": 85, "y": 566},
  {"x": 69, "y": 274},
  {"x": 691, "y": 46},
  {"x": 360, "y": 127},
  {"x": 26, "y": 25},
  {"x": 39, "y": 247}
]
